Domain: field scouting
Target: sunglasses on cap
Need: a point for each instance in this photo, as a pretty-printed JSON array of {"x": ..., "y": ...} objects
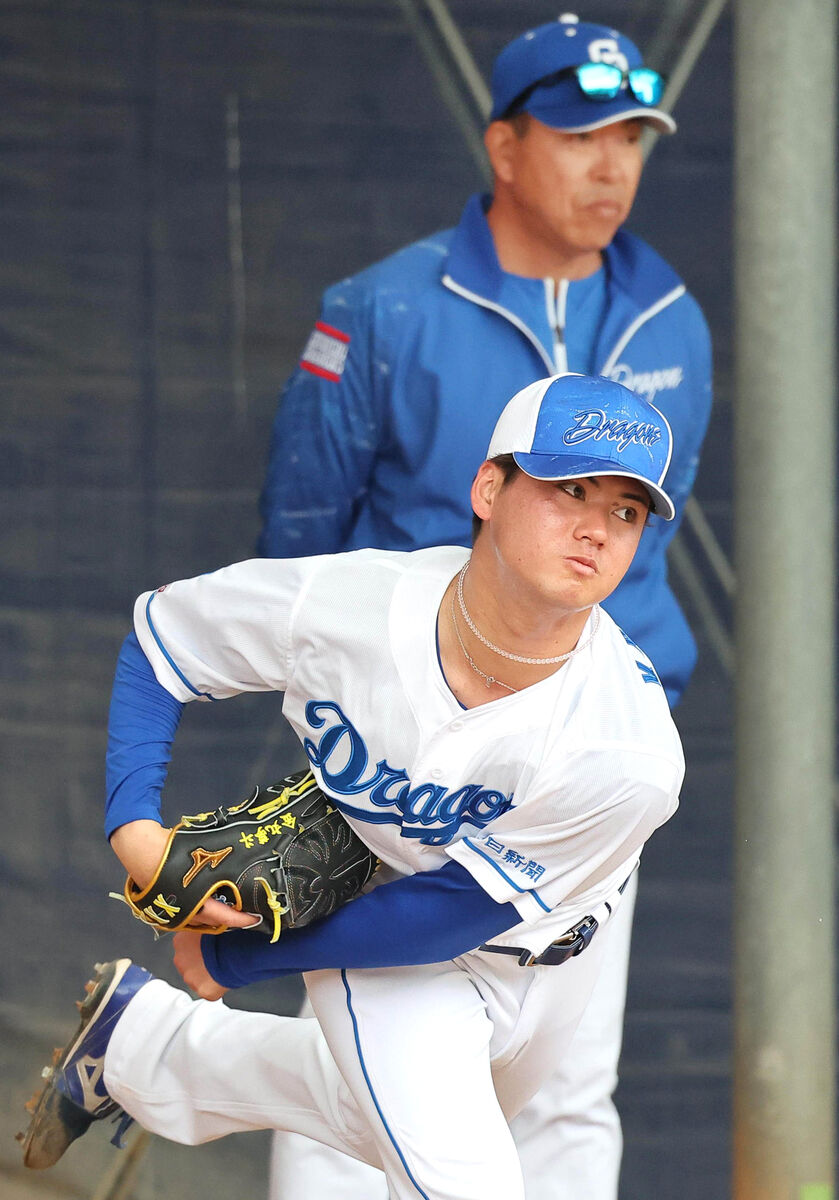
[{"x": 600, "y": 81}]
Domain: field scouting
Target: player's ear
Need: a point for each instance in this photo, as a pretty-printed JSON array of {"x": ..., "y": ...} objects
[
  {"x": 485, "y": 487},
  {"x": 500, "y": 141}
]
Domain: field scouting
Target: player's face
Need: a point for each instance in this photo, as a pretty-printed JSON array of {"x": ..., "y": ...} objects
[
  {"x": 565, "y": 545},
  {"x": 573, "y": 190}
]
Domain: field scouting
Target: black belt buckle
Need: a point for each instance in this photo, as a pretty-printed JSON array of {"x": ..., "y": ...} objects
[{"x": 568, "y": 946}]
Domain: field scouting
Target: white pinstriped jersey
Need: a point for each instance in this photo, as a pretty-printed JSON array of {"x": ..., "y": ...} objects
[{"x": 545, "y": 796}]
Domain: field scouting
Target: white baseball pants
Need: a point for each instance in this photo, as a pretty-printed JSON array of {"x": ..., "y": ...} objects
[
  {"x": 414, "y": 1070},
  {"x": 568, "y": 1136}
]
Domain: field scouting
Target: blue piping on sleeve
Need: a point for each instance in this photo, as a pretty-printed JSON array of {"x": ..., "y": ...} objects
[
  {"x": 505, "y": 876},
  {"x": 168, "y": 656},
  {"x": 370, "y": 1087}
]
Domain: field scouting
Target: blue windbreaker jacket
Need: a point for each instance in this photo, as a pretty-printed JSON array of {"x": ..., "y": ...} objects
[{"x": 381, "y": 428}]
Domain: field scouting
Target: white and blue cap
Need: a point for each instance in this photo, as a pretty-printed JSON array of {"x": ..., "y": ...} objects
[
  {"x": 523, "y": 78},
  {"x": 579, "y": 426}
]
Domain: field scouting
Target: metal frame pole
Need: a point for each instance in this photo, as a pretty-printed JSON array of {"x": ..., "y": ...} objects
[{"x": 785, "y": 162}]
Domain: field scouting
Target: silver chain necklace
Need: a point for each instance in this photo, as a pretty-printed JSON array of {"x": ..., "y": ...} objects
[
  {"x": 489, "y": 680},
  {"x": 520, "y": 658}
]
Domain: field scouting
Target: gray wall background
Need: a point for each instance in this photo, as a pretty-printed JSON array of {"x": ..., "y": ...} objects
[{"x": 135, "y": 417}]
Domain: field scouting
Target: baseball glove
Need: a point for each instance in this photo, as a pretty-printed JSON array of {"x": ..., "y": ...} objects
[{"x": 286, "y": 855}]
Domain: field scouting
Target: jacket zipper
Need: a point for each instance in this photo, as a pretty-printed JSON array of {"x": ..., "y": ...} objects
[{"x": 556, "y": 301}]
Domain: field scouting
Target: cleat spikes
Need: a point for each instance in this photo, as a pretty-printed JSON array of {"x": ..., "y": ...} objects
[{"x": 73, "y": 1095}]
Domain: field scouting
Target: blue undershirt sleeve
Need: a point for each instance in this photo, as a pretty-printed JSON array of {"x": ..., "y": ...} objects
[
  {"x": 425, "y": 918},
  {"x": 142, "y": 721}
]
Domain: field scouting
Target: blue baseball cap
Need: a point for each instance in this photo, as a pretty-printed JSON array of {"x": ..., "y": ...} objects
[
  {"x": 560, "y": 46},
  {"x": 576, "y": 426}
]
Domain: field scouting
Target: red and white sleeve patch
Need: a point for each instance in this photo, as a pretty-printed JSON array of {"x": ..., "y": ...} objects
[{"x": 326, "y": 351}]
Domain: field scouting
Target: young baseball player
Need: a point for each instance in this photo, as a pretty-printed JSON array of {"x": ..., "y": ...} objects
[{"x": 497, "y": 741}]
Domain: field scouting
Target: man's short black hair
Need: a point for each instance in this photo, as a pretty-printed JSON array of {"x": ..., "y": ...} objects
[{"x": 520, "y": 123}]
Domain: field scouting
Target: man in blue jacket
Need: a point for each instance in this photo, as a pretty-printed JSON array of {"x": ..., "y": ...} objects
[{"x": 386, "y": 419}]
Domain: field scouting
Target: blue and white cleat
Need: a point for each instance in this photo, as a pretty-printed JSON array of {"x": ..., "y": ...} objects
[{"x": 74, "y": 1094}]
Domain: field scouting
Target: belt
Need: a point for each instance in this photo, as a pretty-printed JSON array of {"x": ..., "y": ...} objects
[{"x": 572, "y": 942}]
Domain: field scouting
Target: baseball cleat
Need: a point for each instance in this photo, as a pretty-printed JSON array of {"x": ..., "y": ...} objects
[{"x": 74, "y": 1093}]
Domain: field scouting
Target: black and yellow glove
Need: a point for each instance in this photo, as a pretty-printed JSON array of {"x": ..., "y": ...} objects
[{"x": 286, "y": 855}]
